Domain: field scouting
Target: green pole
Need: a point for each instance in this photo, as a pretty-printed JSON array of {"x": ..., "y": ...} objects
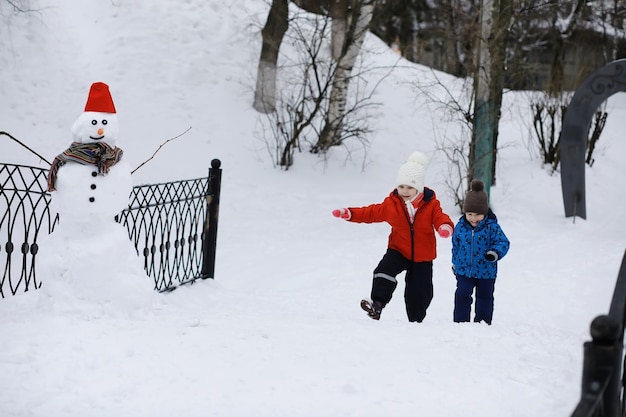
[
  {"x": 483, "y": 145},
  {"x": 484, "y": 103}
]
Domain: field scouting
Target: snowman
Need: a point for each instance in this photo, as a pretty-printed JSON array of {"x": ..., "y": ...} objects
[{"x": 89, "y": 262}]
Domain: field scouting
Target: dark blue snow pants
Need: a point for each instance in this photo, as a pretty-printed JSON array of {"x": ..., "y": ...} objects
[
  {"x": 483, "y": 310},
  {"x": 418, "y": 290}
]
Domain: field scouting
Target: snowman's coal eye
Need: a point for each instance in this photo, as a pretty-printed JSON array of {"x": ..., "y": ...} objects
[
  {"x": 104, "y": 121},
  {"x": 94, "y": 122}
]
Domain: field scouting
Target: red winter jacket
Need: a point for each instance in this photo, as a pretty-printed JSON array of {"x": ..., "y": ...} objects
[{"x": 416, "y": 241}]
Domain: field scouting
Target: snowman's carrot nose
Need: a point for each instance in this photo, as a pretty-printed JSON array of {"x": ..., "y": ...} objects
[{"x": 101, "y": 131}]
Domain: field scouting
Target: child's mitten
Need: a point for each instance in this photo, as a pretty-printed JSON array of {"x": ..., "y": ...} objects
[
  {"x": 445, "y": 230},
  {"x": 343, "y": 213},
  {"x": 491, "y": 256}
]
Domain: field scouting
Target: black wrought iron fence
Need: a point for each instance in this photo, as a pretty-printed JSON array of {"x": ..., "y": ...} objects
[
  {"x": 173, "y": 226},
  {"x": 24, "y": 214},
  {"x": 603, "y": 362}
]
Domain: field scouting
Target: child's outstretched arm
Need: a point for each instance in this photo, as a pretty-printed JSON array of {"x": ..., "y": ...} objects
[
  {"x": 373, "y": 213},
  {"x": 343, "y": 213}
]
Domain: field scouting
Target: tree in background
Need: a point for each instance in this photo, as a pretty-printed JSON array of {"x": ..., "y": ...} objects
[
  {"x": 326, "y": 95},
  {"x": 579, "y": 36},
  {"x": 495, "y": 17},
  {"x": 308, "y": 79},
  {"x": 567, "y": 24},
  {"x": 272, "y": 34},
  {"x": 275, "y": 27},
  {"x": 538, "y": 43},
  {"x": 551, "y": 46},
  {"x": 357, "y": 19},
  {"x": 436, "y": 34}
]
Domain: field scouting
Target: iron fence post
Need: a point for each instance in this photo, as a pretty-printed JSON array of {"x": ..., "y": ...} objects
[
  {"x": 209, "y": 241},
  {"x": 601, "y": 376}
]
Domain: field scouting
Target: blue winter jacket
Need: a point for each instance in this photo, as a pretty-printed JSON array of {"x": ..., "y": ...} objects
[{"x": 469, "y": 246}]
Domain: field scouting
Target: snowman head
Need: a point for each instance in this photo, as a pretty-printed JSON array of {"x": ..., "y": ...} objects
[
  {"x": 99, "y": 122},
  {"x": 93, "y": 127}
]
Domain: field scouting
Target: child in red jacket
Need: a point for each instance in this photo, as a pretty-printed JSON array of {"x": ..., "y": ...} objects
[{"x": 414, "y": 213}]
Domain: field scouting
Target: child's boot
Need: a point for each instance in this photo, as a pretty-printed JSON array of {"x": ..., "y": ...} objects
[{"x": 373, "y": 308}]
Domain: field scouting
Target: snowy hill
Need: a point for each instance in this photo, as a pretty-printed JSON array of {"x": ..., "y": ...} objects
[{"x": 279, "y": 331}]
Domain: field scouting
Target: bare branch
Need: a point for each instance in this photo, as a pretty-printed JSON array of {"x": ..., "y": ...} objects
[
  {"x": 159, "y": 148},
  {"x": 12, "y": 137},
  {"x": 17, "y": 7}
]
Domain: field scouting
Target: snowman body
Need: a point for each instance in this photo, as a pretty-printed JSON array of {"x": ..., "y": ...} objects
[
  {"x": 89, "y": 259},
  {"x": 83, "y": 194}
]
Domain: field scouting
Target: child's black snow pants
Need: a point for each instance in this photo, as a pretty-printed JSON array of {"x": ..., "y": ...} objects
[{"x": 418, "y": 291}]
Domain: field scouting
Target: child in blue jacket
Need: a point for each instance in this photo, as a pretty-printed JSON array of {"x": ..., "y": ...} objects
[{"x": 478, "y": 243}]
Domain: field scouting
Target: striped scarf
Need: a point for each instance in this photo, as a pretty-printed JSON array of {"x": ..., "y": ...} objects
[{"x": 99, "y": 154}]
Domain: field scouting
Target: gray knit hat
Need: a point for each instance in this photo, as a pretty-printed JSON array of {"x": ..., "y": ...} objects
[{"x": 476, "y": 200}]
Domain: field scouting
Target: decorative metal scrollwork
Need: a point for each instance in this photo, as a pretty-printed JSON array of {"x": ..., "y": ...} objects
[{"x": 166, "y": 222}]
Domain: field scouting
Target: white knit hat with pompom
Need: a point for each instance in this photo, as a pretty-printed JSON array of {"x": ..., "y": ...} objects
[{"x": 413, "y": 171}]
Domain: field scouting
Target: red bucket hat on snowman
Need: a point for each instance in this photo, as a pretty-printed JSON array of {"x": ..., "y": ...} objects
[{"x": 100, "y": 99}]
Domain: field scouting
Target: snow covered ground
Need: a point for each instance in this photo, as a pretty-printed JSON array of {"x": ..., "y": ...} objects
[{"x": 279, "y": 332}]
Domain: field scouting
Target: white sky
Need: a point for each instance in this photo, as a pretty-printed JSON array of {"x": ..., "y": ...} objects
[{"x": 279, "y": 331}]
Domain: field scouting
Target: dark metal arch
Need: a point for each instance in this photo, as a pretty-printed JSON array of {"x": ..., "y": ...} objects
[{"x": 598, "y": 87}]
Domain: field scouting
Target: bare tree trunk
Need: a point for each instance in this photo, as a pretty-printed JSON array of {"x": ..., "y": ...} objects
[
  {"x": 454, "y": 51},
  {"x": 339, "y": 27},
  {"x": 482, "y": 146},
  {"x": 499, "y": 46},
  {"x": 360, "y": 18},
  {"x": 272, "y": 33}
]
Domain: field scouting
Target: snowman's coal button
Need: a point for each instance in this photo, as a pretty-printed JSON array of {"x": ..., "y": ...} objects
[
  {"x": 94, "y": 174},
  {"x": 93, "y": 186},
  {"x": 91, "y": 199}
]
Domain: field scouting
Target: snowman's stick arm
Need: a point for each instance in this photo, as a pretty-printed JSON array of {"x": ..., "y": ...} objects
[
  {"x": 15, "y": 139},
  {"x": 159, "y": 148}
]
